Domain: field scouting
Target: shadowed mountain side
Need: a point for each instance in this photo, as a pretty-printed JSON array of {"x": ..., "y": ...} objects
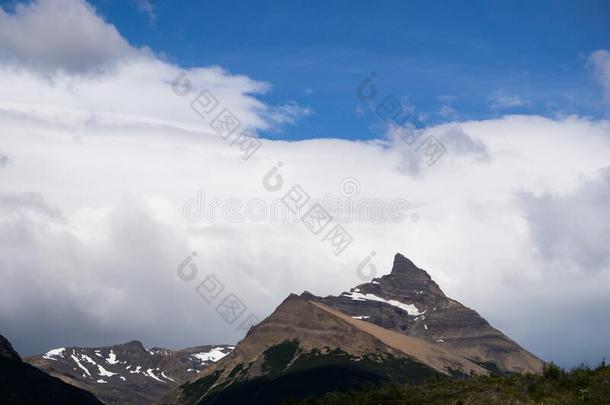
[{"x": 23, "y": 384}]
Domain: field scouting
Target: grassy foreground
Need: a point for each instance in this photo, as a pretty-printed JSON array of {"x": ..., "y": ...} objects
[{"x": 581, "y": 385}]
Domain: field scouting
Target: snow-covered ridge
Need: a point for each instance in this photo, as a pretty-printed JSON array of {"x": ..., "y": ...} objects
[
  {"x": 358, "y": 296},
  {"x": 52, "y": 354},
  {"x": 105, "y": 366}
]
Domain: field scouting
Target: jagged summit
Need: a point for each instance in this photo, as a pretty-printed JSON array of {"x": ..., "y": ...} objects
[
  {"x": 402, "y": 265},
  {"x": 406, "y": 279}
]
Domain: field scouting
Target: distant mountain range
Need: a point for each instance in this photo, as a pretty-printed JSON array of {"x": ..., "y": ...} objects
[
  {"x": 395, "y": 329},
  {"x": 127, "y": 373},
  {"x": 400, "y": 327}
]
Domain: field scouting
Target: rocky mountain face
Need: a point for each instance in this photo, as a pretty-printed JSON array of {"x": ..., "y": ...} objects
[
  {"x": 400, "y": 327},
  {"x": 408, "y": 301},
  {"x": 23, "y": 384},
  {"x": 127, "y": 373}
]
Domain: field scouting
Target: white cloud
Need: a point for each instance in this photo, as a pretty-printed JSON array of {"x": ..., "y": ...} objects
[
  {"x": 288, "y": 113},
  {"x": 502, "y": 101},
  {"x": 410, "y": 144},
  {"x": 108, "y": 266},
  {"x": 60, "y": 52},
  {"x": 61, "y": 35},
  {"x": 566, "y": 227},
  {"x": 600, "y": 60},
  {"x": 447, "y": 110},
  {"x": 137, "y": 88},
  {"x": 92, "y": 227}
]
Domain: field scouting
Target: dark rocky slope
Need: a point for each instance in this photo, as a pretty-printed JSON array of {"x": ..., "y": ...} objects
[{"x": 23, "y": 384}]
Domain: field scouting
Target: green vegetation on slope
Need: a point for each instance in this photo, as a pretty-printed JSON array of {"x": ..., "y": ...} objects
[
  {"x": 191, "y": 391},
  {"x": 581, "y": 385},
  {"x": 291, "y": 373}
]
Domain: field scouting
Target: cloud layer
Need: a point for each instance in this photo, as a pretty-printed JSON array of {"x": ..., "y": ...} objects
[
  {"x": 511, "y": 221},
  {"x": 61, "y": 35}
]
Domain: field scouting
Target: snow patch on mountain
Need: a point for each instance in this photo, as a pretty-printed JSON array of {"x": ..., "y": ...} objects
[
  {"x": 87, "y": 359},
  {"x": 112, "y": 358},
  {"x": 105, "y": 373},
  {"x": 137, "y": 370},
  {"x": 156, "y": 350},
  {"x": 150, "y": 373},
  {"x": 52, "y": 354},
  {"x": 166, "y": 377},
  {"x": 409, "y": 308},
  {"x": 213, "y": 355},
  {"x": 80, "y": 365}
]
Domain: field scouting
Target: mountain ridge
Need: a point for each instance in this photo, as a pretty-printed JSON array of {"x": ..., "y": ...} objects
[{"x": 127, "y": 373}]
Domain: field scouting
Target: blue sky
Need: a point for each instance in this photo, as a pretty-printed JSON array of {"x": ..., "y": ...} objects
[{"x": 445, "y": 60}]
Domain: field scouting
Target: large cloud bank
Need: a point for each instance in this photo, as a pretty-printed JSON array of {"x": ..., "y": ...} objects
[{"x": 101, "y": 163}]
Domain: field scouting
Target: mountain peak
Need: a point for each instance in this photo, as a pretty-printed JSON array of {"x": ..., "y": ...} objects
[
  {"x": 133, "y": 345},
  {"x": 377, "y": 327},
  {"x": 403, "y": 265}
]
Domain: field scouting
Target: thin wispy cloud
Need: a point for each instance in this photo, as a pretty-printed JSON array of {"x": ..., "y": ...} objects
[
  {"x": 600, "y": 60},
  {"x": 148, "y": 8},
  {"x": 502, "y": 101},
  {"x": 447, "y": 110}
]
